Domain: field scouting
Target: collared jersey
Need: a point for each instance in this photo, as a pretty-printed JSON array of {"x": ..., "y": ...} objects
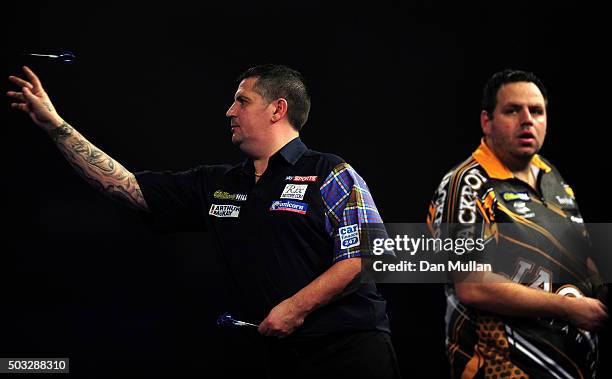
[
  {"x": 533, "y": 237},
  {"x": 308, "y": 211}
]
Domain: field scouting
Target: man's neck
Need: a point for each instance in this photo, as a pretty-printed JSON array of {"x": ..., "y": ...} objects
[
  {"x": 260, "y": 161},
  {"x": 527, "y": 176},
  {"x": 520, "y": 168},
  {"x": 260, "y": 167}
]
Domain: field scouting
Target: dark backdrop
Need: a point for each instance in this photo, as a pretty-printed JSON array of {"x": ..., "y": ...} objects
[{"x": 396, "y": 92}]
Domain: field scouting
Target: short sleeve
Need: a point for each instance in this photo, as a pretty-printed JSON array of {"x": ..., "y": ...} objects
[{"x": 352, "y": 218}]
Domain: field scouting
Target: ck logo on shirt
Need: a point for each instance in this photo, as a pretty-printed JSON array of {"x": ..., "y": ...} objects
[
  {"x": 289, "y": 206},
  {"x": 223, "y": 210},
  {"x": 349, "y": 236},
  {"x": 311, "y": 178},
  {"x": 294, "y": 191}
]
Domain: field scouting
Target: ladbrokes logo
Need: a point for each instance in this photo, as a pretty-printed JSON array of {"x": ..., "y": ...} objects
[
  {"x": 289, "y": 206},
  {"x": 219, "y": 210}
]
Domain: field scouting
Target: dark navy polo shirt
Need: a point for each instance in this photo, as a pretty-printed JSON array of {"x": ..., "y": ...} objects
[{"x": 308, "y": 211}]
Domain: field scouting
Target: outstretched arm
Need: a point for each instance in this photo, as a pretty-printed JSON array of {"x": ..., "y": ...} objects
[{"x": 97, "y": 168}]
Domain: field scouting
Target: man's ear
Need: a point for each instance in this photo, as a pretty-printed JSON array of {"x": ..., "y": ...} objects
[
  {"x": 280, "y": 109},
  {"x": 485, "y": 123}
]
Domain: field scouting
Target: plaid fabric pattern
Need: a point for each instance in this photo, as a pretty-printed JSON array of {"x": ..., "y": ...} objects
[{"x": 348, "y": 201}]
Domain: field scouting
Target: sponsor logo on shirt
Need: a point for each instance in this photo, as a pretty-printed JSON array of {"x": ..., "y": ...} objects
[
  {"x": 224, "y": 210},
  {"x": 349, "y": 236},
  {"x": 467, "y": 204},
  {"x": 578, "y": 220},
  {"x": 565, "y": 200},
  {"x": 222, "y": 195},
  {"x": 512, "y": 196},
  {"x": 312, "y": 178},
  {"x": 294, "y": 191},
  {"x": 521, "y": 208},
  {"x": 289, "y": 206}
]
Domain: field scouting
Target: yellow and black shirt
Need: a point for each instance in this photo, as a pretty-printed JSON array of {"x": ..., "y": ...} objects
[{"x": 533, "y": 237}]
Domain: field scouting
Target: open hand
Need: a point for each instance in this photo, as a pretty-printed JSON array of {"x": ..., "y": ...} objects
[{"x": 34, "y": 101}]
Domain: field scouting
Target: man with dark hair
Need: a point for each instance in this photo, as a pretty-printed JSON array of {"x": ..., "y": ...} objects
[
  {"x": 291, "y": 223},
  {"x": 277, "y": 81},
  {"x": 534, "y": 314},
  {"x": 489, "y": 93}
]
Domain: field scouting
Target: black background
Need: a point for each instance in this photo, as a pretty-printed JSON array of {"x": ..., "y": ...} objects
[{"x": 396, "y": 92}]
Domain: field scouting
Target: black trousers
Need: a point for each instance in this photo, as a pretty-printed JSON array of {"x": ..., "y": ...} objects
[{"x": 356, "y": 354}]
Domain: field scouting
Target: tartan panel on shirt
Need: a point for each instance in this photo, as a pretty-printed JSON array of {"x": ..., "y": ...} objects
[{"x": 348, "y": 201}]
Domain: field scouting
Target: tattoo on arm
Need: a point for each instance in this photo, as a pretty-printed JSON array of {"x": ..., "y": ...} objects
[
  {"x": 97, "y": 168},
  {"x": 61, "y": 132},
  {"x": 48, "y": 106},
  {"x": 93, "y": 156}
]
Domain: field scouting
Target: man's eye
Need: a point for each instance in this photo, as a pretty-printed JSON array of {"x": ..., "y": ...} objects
[{"x": 537, "y": 111}]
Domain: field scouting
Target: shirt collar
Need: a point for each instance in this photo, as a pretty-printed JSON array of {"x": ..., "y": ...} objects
[
  {"x": 495, "y": 168},
  {"x": 291, "y": 153}
]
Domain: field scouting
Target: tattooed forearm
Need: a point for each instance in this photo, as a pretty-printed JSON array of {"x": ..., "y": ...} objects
[
  {"x": 93, "y": 156},
  {"x": 97, "y": 168},
  {"x": 127, "y": 196},
  {"x": 61, "y": 132}
]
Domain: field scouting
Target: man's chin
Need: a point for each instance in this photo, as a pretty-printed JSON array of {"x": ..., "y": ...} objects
[
  {"x": 526, "y": 153},
  {"x": 236, "y": 141},
  {"x": 528, "y": 149}
]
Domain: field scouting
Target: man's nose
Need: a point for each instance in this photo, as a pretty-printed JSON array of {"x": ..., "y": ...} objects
[
  {"x": 230, "y": 111},
  {"x": 526, "y": 117}
]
